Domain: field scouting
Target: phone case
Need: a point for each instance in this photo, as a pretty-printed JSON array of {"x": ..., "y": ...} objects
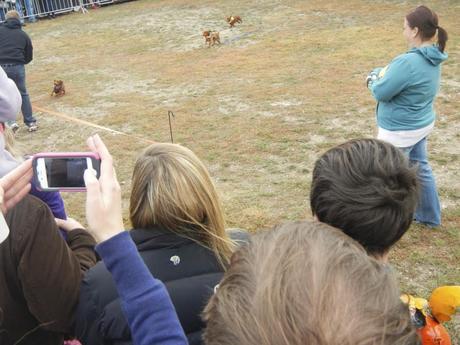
[{"x": 96, "y": 166}]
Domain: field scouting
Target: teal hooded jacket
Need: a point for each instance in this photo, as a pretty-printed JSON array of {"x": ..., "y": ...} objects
[{"x": 406, "y": 89}]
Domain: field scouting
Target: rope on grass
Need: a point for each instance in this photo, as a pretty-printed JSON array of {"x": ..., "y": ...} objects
[{"x": 90, "y": 124}]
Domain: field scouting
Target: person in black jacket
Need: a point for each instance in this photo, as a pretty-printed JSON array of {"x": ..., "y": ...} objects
[
  {"x": 16, "y": 51},
  {"x": 179, "y": 232}
]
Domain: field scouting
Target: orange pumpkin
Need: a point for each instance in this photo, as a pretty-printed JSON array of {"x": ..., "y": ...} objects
[{"x": 433, "y": 333}]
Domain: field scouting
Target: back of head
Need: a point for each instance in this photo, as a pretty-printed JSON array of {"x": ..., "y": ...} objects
[
  {"x": 427, "y": 23},
  {"x": 306, "y": 283},
  {"x": 367, "y": 189},
  {"x": 12, "y": 15},
  {"x": 171, "y": 188}
]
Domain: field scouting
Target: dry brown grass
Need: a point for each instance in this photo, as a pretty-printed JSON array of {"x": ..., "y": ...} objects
[{"x": 259, "y": 109}]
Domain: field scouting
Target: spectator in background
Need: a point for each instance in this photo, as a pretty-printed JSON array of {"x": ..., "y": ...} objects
[
  {"x": 3, "y": 9},
  {"x": 179, "y": 232},
  {"x": 405, "y": 91},
  {"x": 367, "y": 189},
  {"x": 16, "y": 51},
  {"x": 29, "y": 10}
]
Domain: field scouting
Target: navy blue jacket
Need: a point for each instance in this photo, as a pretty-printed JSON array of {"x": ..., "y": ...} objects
[
  {"x": 15, "y": 44},
  {"x": 189, "y": 272}
]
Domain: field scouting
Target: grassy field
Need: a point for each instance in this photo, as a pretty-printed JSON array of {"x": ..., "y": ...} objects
[{"x": 283, "y": 87}]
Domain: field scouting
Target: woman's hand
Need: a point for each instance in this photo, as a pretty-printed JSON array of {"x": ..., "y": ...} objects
[
  {"x": 68, "y": 224},
  {"x": 15, "y": 185},
  {"x": 103, "y": 198}
]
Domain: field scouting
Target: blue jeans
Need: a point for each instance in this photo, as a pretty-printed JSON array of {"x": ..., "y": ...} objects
[
  {"x": 428, "y": 209},
  {"x": 29, "y": 9},
  {"x": 18, "y": 74}
]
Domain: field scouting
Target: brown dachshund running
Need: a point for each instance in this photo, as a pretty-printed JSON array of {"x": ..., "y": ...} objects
[
  {"x": 233, "y": 20},
  {"x": 211, "y": 37}
]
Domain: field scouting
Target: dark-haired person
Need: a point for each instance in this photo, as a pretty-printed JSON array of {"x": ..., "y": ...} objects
[
  {"x": 405, "y": 91},
  {"x": 367, "y": 189}
]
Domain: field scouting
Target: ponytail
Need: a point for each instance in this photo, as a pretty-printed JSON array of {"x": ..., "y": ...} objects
[{"x": 442, "y": 38}]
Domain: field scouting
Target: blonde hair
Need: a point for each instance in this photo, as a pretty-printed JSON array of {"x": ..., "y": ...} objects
[
  {"x": 12, "y": 14},
  {"x": 172, "y": 188},
  {"x": 11, "y": 144},
  {"x": 306, "y": 283}
]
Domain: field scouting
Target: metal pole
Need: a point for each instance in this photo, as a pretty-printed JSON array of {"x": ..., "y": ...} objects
[{"x": 170, "y": 127}]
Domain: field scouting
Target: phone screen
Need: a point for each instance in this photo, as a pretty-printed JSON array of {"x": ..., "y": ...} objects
[{"x": 66, "y": 172}]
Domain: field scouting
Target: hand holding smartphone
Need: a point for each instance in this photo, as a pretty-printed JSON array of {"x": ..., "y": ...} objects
[
  {"x": 66, "y": 172},
  {"x": 63, "y": 171},
  {"x": 103, "y": 197}
]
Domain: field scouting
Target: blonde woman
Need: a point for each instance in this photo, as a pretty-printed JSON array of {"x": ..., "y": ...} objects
[{"x": 178, "y": 230}]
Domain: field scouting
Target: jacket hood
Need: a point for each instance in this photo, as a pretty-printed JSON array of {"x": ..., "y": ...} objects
[
  {"x": 431, "y": 53},
  {"x": 13, "y": 23}
]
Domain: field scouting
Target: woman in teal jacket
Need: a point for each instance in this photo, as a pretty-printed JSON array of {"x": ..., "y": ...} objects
[{"x": 405, "y": 91}]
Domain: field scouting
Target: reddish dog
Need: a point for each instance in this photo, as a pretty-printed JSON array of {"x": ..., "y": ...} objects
[
  {"x": 211, "y": 37},
  {"x": 233, "y": 20},
  {"x": 58, "y": 89}
]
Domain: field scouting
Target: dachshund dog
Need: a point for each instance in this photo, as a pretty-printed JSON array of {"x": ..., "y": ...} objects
[
  {"x": 211, "y": 37},
  {"x": 233, "y": 20},
  {"x": 58, "y": 89}
]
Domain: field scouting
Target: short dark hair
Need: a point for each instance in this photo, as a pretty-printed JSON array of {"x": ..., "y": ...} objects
[
  {"x": 366, "y": 188},
  {"x": 427, "y": 23}
]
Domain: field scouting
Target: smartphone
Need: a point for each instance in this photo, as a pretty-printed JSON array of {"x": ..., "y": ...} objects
[{"x": 63, "y": 171}]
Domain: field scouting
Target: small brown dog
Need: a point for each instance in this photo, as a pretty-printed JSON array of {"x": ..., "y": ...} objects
[
  {"x": 233, "y": 20},
  {"x": 58, "y": 89},
  {"x": 211, "y": 37}
]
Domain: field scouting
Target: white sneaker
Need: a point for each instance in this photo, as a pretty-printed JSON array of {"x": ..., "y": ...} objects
[
  {"x": 32, "y": 127},
  {"x": 14, "y": 127}
]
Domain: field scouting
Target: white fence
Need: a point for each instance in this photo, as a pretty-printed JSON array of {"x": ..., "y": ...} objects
[{"x": 35, "y": 9}]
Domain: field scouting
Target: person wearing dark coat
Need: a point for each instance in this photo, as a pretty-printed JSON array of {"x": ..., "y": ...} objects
[
  {"x": 189, "y": 271},
  {"x": 40, "y": 275},
  {"x": 16, "y": 51},
  {"x": 179, "y": 232}
]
